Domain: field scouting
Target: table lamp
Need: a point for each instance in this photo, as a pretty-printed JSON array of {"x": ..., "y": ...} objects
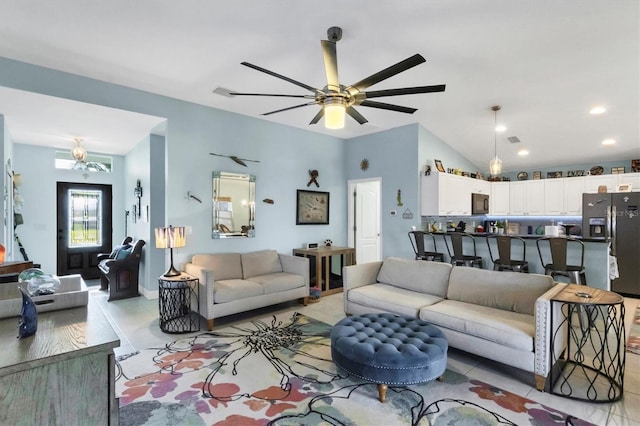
[{"x": 171, "y": 237}]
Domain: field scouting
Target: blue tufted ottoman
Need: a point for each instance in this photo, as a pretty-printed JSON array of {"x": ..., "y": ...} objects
[{"x": 389, "y": 349}]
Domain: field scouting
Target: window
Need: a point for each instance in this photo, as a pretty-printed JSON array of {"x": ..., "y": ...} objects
[
  {"x": 94, "y": 163},
  {"x": 84, "y": 218}
]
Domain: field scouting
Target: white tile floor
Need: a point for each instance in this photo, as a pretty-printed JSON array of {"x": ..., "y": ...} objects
[{"x": 136, "y": 322}]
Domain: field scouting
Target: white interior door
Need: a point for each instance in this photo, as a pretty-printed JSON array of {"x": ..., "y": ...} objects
[{"x": 364, "y": 220}]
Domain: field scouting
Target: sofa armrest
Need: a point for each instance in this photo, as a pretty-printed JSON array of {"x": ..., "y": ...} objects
[
  {"x": 295, "y": 265},
  {"x": 545, "y": 327},
  {"x": 207, "y": 284},
  {"x": 354, "y": 276}
]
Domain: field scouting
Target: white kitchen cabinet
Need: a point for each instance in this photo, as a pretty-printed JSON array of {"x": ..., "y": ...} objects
[
  {"x": 499, "y": 198},
  {"x": 593, "y": 182},
  {"x": 563, "y": 197},
  {"x": 444, "y": 194},
  {"x": 632, "y": 178},
  {"x": 526, "y": 198}
]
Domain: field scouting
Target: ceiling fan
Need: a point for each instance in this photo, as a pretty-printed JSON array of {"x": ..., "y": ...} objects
[{"x": 337, "y": 99}]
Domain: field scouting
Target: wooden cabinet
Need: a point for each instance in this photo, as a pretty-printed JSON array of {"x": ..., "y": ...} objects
[
  {"x": 526, "y": 198},
  {"x": 632, "y": 178},
  {"x": 563, "y": 197},
  {"x": 64, "y": 374},
  {"x": 499, "y": 198}
]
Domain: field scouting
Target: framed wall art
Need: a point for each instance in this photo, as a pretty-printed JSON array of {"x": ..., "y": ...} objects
[
  {"x": 635, "y": 166},
  {"x": 439, "y": 166},
  {"x": 537, "y": 175},
  {"x": 312, "y": 207},
  {"x": 617, "y": 170}
]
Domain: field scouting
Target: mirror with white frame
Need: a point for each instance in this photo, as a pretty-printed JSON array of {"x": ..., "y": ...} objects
[{"x": 234, "y": 205}]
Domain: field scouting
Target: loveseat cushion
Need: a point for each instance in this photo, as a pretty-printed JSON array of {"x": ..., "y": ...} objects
[
  {"x": 511, "y": 329},
  {"x": 260, "y": 263},
  {"x": 279, "y": 281},
  {"x": 509, "y": 291},
  {"x": 230, "y": 290},
  {"x": 392, "y": 299},
  {"x": 417, "y": 275},
  {"x": 225, "y": 266}
]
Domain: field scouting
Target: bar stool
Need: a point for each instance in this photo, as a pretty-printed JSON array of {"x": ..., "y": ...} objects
[
  {"x": 504, "y": 262},
  {"x": 557, "y": 248},
  {"x": 417, "y": 242},
  {"x": 457, "y": 255}
]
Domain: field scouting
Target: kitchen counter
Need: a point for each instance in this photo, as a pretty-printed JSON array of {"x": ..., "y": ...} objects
[{"x": 596, "y": 255}]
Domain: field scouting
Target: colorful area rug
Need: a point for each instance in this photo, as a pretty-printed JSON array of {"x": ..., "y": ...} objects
[
  {"x": 279, "y": 372},
  {"x": 633, "y": 343}
]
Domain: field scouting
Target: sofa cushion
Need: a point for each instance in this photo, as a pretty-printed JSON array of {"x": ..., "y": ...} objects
[
  {"x": 510, "y": 291},
  {"x": 230, "y": 290},
  {"x": 280, "y": 281},
  {"x": 511, "y": 329},
  {"x": 417, "y": 275},
  {"x": 225, "y": 266},
  {"x": 260, "y": 263},
  {"x": 392, "y": 299},
  {"x": 123, "y": 253}
]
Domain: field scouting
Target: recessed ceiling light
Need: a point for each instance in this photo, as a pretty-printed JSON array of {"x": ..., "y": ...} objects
[
  {"x": 608, "y": 142},
  {"x": 597, "y": 110},
  {"x": 501, "y": 128},
  {"x": 523, "y": 152}
]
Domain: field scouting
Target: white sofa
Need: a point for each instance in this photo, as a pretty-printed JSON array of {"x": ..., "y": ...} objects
[
  {"x": 238, "y": 282},
  {"x": 503, "y": 316}
]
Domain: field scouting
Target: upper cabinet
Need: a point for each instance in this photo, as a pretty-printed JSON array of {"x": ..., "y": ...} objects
[
  {"x": 499, "y": 198},
  {"x": 444, "y": 194},
  {"x": 593, "y": 182},
  {"x": 563, "y": 197},
  {"x": 632, "y": 178},
  {"x": 526, "y": 198}
]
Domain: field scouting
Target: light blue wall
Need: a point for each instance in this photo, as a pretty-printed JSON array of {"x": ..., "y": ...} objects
[
  {"x": 433, "y": 148},
  {"x": 39, "y": 179},
  {"x": 193, "y": 131}
]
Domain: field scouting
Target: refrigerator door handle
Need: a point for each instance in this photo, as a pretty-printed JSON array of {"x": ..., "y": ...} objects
[{"x": 612, "y": 228}]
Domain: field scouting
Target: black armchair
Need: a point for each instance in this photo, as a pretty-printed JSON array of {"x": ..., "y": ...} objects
[{"x": 119, "y": 274}]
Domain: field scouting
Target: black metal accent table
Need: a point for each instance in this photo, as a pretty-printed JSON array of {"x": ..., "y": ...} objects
[
  {"x": 177, "y": 296},
  {"x": 592, "y": 366}
]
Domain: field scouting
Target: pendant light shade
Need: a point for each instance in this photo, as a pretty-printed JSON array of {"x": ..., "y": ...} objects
[
  {"x": 495, "y": 166},
  {"x": 78, "y": 153}
]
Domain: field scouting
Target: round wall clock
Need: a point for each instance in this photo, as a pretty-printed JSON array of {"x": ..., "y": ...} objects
[
  {"x": 364, "y": 164},
  {"x": 523, "y": 176},
  {"x": 597, "y": 170}
]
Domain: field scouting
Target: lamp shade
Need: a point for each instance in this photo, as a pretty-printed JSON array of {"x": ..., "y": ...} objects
[
  {"x": 170, "y": 237},
  {"x": 495, "y": 166},
  {"x": 334, "y": 112}
]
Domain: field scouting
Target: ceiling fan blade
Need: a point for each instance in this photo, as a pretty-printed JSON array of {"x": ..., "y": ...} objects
[
  {"x": 272, "y": 94},
  {"x": 317, "y": 117},
  {"x": 405, "y": 91},
  {"x": 274, "y": 74},
  {"x": 288, "y": 108},
  {"x": 356, "y": 115},
  {"x": 390, "y": 107},
  {"x": 331, "y": 64},
  {"x": 401, "y": 66}
]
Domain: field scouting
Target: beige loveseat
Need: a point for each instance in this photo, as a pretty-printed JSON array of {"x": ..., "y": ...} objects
[
  {"x": 238, "y": 282},
  {"x": 503, "y": 316}
]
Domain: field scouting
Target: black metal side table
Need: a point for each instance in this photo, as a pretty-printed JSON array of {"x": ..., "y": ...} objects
[
  {"x": 592, "y": 328},
  {"x": 179, "y": 304}
]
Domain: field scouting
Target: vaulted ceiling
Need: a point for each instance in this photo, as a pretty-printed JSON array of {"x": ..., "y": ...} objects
[{"x": 547, "y": 63}]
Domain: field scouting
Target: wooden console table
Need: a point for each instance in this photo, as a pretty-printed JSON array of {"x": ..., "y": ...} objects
[
  {"x": 64, "y": 374},
  {"x": 347, "y": 257}
]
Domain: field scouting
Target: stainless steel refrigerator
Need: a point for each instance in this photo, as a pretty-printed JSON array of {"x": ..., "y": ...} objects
[{"x": 615, "y": 216}]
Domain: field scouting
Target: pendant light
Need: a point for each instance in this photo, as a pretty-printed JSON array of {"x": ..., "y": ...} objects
[
  {"x": 495, "y": 166},
  {"x": 78, "y": 153}
]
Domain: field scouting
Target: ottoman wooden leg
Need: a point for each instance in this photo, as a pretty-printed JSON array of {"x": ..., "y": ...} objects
[
  {"x": 382, "y": 392},
  {"x": 441, "y": 378}
]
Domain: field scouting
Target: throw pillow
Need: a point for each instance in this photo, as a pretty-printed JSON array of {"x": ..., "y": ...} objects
[
  {"x": 116, "y": 249},
  {"x": 123, "y": 253}
]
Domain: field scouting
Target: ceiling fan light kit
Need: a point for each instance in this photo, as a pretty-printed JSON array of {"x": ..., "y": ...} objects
[
  {"x": 78, "y": 153},
  {"x": 336, "y": 100}
]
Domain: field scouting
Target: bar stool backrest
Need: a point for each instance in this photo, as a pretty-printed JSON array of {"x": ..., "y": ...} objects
[
  {"x": 457, "y": 240},
  {"x": 504, "y": 243},
  {"x": 417, "y": 242},
  {"x": 558, "y": 247}
]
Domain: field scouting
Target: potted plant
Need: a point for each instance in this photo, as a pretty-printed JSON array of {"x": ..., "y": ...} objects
[{"x": 500, "y": 225}]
